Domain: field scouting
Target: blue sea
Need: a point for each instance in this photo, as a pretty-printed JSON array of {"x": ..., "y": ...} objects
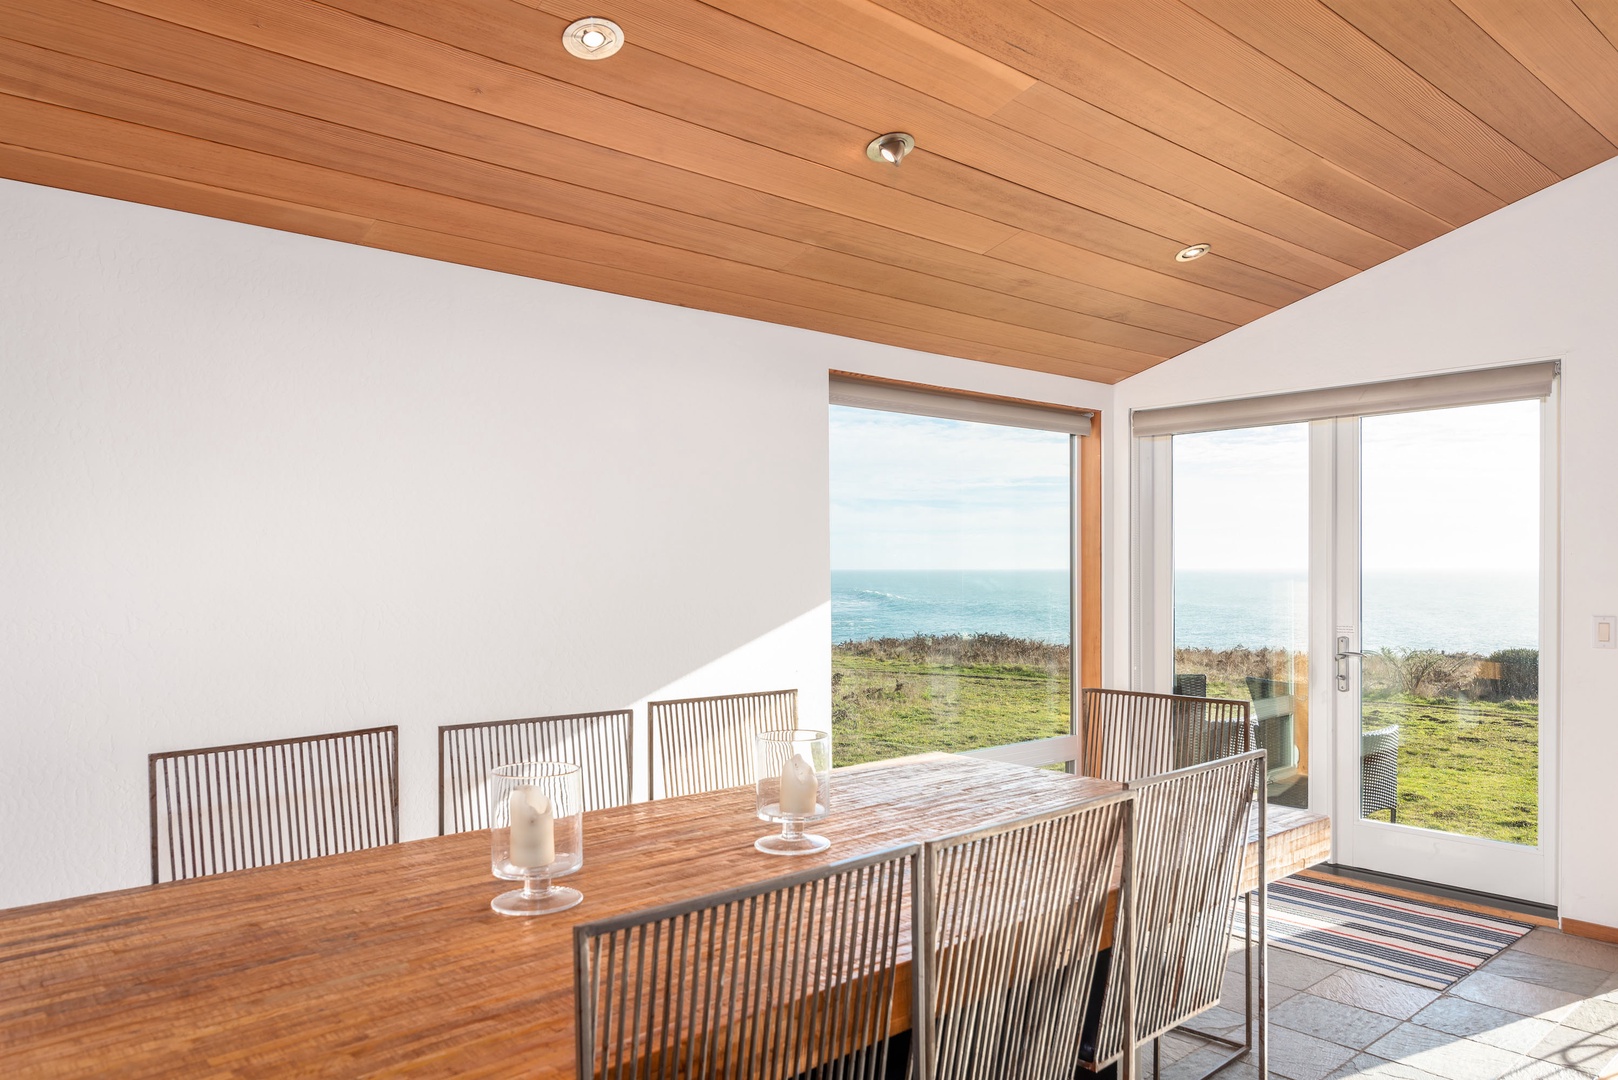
[{"x": 1452, "y": 612}]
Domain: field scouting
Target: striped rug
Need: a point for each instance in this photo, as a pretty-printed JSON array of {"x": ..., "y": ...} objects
[{"x": 1415, "y": 942}]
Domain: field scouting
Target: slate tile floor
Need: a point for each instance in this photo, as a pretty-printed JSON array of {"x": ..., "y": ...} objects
[{"x": 1544, "y": 1009}]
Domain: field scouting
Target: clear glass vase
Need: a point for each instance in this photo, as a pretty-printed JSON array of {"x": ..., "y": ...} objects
[
  {"x": 536, "y": 834},
  {"x": 793, "y": 787}
]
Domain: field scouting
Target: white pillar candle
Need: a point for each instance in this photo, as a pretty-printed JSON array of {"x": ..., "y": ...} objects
[
  {"x": 533, "y": 828},
  {"x": 798, "y": 786}
]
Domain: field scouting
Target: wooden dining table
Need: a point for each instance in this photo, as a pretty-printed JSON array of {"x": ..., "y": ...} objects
[{"x": 389, "y": 960}]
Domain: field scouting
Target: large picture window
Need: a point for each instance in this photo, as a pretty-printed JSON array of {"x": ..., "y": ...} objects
[{"x": 952, "y": 585}]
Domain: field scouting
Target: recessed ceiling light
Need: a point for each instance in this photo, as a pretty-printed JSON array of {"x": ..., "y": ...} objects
[
  {"x": 890, "y": 148},
  {"x": 593, "y": 38},
  {"x": 1195, "y": 251}
]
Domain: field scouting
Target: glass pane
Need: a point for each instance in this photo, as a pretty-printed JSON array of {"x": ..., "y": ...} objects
[
  {"x": 950, "y": 586},
  {"x": 1450, "y": 717},
  {"x": 1241, "y": 559}
]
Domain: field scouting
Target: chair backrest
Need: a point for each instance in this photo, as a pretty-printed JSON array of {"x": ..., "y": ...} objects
[
  {"x": 1191, "y": 831},
  {"x": 793, "y": 977},
  {"x": 1129, "y": 734},
  {"x": 1262, "y": 689},
  {"x": 252, "y": 804},
  {"x": 598, "y": 743},
  {"x": 706, "y": 744},
  {"x": 1014, "y": 916}
]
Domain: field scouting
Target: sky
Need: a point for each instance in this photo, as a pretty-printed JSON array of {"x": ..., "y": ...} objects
[
  {"x": 1444, "y": 490},
  {"x": 918, "y": 493},
  {"x": 1450, "y": 490}
]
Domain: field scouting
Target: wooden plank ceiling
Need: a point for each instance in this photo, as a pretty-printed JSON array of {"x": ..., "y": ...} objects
[{"x": 1066, "y": 149}]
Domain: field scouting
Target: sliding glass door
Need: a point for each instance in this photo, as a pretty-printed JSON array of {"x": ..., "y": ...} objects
[{"x": 1382, "y": 587}]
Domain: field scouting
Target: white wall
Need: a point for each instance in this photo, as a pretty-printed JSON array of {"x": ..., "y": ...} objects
[
  {"x": 1534, "y": 280},
  {"x": 255, "y": 485}
]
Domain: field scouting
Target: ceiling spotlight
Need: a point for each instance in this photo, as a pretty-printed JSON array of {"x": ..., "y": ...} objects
[
  {"x": 1195, "y": 251},
  {"x": 890, "y": 148},
  {"x": 593, "y": 39}
]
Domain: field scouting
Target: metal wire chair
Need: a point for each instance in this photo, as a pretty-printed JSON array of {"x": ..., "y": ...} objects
[
  {"x": 793, "y": 977},
  {"x": 706, "y": 744},
  {"x": 1013, "y": 921},
  {"x": 1129, "y": 734},
  {"x": 599, "y": 743},
  {"x": 1191, "y": 832},
  {"x": 251, "y": 804}
]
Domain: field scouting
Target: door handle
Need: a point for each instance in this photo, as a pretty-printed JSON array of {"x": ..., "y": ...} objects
[{"x": 1343, "y": 653}]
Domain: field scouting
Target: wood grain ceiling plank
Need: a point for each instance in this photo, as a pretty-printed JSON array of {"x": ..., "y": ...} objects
[
  {"x": 1089, "y": 67},
  {"x": 1031, "y": 188},
  {"x": 1311, "y": 40},
  {"x": 1288, "y": 175},
  {"x": 1603, "y": 15},
  {"x": 1173, "y": 38},
  {"x": 1092, "y": 134},
  {"x": 1275, "y": 204},
  {"x": 1563, "y": 49},
  {"x": 1260, "y": 285},
  {"x": 1438, "y": 41},
  {"x": 1028, "y": 210},
  {"x": 70, "y": 133},
  {"x": 885, "y": 280},
  {"x": 136, "y": 42},
  {"x": 459, "y": 249},
  {"x": 867, "y": 36},
  {"x": 94, "y": 178},
  {"x": 336, "y": 39},
  {"x": 1242, "y": 217},
  {"x": 88, "y": 86},
  {"x": 1039, "y": 252}
]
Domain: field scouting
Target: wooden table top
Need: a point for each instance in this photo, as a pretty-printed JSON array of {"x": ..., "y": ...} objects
[{"x": 389, "y": 960}]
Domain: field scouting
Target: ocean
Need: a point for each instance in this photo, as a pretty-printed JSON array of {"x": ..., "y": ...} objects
[
  {"x": 1452, "y": 612},
  {"x": 898, "y": 603}
]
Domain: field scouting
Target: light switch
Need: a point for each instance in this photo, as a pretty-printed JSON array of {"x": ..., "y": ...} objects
[{"x": 1606, "y": 632}]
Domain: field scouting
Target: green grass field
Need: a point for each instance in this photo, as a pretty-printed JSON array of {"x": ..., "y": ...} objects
[
  {"x": 1464, "y": 766},
  {"x": 883, "y": 708}
]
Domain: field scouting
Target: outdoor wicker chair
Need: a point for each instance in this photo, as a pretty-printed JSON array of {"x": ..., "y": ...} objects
[
  {"x": 1379, "y": 772},
  {"x": 1273, "y": 713}
]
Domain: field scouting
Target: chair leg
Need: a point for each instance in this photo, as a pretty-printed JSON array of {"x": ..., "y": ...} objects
[
  {"x": 1157, "y": 1058},
  {"x": 1236, "y": 1049},
  {"x": 1247, "y": 965}
]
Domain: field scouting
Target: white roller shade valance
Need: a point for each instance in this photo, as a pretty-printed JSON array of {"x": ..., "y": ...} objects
[
  {"x": 1479, "y": 387},
  {"x": 956, "y": 405}
]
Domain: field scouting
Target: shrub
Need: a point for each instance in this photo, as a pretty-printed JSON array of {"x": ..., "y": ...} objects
[
  {"x": 1509, "y": 674},
  {"x": 961, "y": 650}
]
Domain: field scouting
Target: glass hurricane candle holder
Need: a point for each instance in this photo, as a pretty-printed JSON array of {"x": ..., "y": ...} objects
[
  {"x": 536, "y": 833},
  {"x": 793, "y": 786}
]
